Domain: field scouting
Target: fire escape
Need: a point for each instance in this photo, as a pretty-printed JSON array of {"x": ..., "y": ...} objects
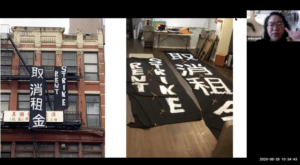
[{"x": 72, "y": 121}]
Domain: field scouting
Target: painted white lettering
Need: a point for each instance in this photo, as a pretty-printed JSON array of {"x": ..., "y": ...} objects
[
  {"x": 135, "y": 65},
  {"x": 172, "y": 105},
  {"x": 189, "y": 57},
  {"x": 166, "y": 91},
  {"x": 135, "y": 79},
  {"x": 175, "y": 56},
  {"x": 63, "y": 93},
  {"x": 198, "y": 85},
  {"x": 224, "y": 108},
  {"x": 218, "y": 81},
  {"x": 163, "y": 80},
  {"x": 159, "y": 71},
  {"x": 137, "y": 72},
  {"x": 140, "y": 86}
]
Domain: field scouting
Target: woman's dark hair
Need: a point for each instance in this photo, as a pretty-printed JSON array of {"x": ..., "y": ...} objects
[{"x": 285, "y": 34}]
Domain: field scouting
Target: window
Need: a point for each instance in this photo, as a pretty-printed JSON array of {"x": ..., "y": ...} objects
[
  {"x": 4, "y": 102},
  {"x": 5, "y": 155},
  {"x": 48, "y": 61},
  {"x": 68, "y": 150},
  {"x": 45, "y": 150},
  {"x": 5, "y": 150},
  {"x": 91, "y": 150},
  {"x": 92, "y": 110},
  {"x": 71, "y": 113},
  {"x": 24, "y": 150},
  {"x": 23, "y": 102},
  {"x": 91, "y": 67},
  {"x": 6, "y": 57},
  {"x": 69, "y": 60},
  {"x": 51, "y": 98},
  {"x": 28, "y": 59}
]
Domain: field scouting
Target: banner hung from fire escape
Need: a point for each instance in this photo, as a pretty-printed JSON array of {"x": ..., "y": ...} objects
[
  {"x": 37, "y": 98},
  {"x": 213, "y": 91},
  {"x": 156, "y": 96},
  {"x": 60, "y": 88}
]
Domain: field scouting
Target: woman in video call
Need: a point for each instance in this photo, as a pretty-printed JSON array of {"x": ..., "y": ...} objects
[{"x": 277, "y": 29}]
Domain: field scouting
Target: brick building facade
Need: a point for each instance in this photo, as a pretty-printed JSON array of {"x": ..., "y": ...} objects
[{"x": 82, "y": 132}]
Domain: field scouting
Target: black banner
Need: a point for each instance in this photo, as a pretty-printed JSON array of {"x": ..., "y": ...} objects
[
  {"x": 156, "y": 96},
  {"x": 60, "y": 88},
  {"x": 213, "y": 91},
  {"x": 37, "y": 98}
]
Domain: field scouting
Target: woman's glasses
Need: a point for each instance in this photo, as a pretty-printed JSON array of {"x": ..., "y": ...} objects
[{"x": 272, "y": 24}]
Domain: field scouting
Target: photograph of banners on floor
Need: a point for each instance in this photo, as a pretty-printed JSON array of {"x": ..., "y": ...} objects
[
  {"x": 156, "y": 96},
  {"x": 213, "y": 92}
]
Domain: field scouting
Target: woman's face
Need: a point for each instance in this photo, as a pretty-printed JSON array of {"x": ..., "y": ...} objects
[{"x": 275, "y": 28}]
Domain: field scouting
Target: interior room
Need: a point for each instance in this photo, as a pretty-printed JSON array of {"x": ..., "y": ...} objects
[{"x": 210, "y": 40}]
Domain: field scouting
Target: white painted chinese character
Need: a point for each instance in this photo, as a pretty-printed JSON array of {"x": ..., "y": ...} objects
[
  {"x": 38, "y": 121},
  {"x": 192, "y": 68},
  {"x": 189, "y": 57},
  {"x": 37, "y": 72},
  {"x": 198, "y": 85},
  {"x": 217, "y": 81},
  {"x": 225, "y": 108},
  {"x": 36, "y": 104},
  {"x": 175, "y": 56},
  {"x": 32, "y": 103},
  {"x": 212, "y": 82},
  {"x": 36, "y": 88}
]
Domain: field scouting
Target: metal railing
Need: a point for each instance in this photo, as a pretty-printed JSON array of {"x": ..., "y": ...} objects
[
  {"x": 73, "y": 72},
  {"x": 72, "y": 116}
]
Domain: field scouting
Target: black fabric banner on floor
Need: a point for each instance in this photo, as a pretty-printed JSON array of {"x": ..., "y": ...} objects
[
  {"x": 212, "y": 90},
  {"x": 60, "y": 88},
  {"x": 37, "y": 98},
  {"x": 156, "y": 96}
]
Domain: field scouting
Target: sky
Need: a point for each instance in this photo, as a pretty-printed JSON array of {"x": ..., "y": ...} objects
[{"x": 37, "y": 22}]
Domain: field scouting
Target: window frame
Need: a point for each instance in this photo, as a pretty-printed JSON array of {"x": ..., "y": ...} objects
[
  {"x": 39, "y": 150},
  {"x": 51, "y": 101},
  {"x": 88, "y": 151},
  {"x": 6, "y": 65},
  {"x": 18, "y": 150},
  {"x": 4, "y": 101},
  {"x": 86, "y": 110},
  {"x": 91, "y": 64},
  {"x": 19, "y": 109},
  {"x": 49, "y": 72},
  {"x": 67, "y": 110},
  {"x": 70, "y": 72},
  {"x": 26, "y": 59},
  {"x": 67, "y": 150}
]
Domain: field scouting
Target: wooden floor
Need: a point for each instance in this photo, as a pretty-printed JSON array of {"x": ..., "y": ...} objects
[{"x": 189, "y": 139}]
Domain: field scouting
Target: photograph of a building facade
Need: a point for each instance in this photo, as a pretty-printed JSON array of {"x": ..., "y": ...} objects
[{"x": 79, "y": 130}]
